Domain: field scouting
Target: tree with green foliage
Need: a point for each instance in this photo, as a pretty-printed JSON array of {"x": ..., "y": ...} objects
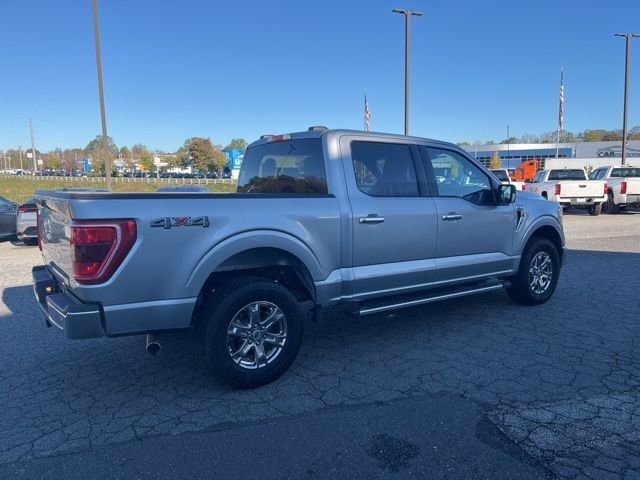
[
  {"x": 94, "y": 151},
  {"x": 201, "y": 154},
  {"x": 237, "y": 144}
]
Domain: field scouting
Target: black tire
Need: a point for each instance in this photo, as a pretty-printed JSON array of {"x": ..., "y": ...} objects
[
  {"x": 30, "y": 242},
  {"x": 232, "y": 300},
  {"x": 521, "y": 290},
  {"x": 595, "y": 210},
  {"x": 609, "y": 206}
]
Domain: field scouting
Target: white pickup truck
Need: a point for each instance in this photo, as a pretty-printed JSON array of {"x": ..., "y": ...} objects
[
  {"x": 570, "y": 188},
  {"x": 503, "y": 175},
  {"x": 623, "y": 186}
]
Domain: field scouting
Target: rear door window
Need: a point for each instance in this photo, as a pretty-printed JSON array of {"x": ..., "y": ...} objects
[
  {"x": 384, "y": 169},
  {"x": 289, "y": 166}
]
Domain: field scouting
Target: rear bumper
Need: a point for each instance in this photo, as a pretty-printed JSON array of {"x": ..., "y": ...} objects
[
  {"x": 62, "y": 310},
  {"x": 79, "y": 319},
  {"x": 580, "y": 201}
]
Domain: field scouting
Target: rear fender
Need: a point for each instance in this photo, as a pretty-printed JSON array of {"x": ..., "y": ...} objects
[{"x": 242, "y": 242}]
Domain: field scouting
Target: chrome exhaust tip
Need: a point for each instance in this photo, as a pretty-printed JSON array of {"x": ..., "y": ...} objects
[{"x": 153, "y": 344}]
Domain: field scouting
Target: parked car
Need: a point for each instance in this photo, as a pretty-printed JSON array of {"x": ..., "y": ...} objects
[
  {"x": 303, "y": 232},
  {"x": 8, "y": 212},
  {"x": 570, "y": 188},
  {"x": 623, "y": 186},
  {"x": 502, "y": 174},
  {"x": 26, "y": 228},
  {"x": 183, "y": 188}
]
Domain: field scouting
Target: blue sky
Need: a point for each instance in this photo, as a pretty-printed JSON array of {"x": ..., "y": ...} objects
[{"x": 176, "y": 69}]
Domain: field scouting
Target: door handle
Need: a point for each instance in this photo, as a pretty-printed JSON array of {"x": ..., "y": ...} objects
[
  {"x": 452, "y": 216},
  {"x": 372, "y": 218}
]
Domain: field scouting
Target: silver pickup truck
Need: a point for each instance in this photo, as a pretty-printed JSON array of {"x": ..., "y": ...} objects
[{"x": 370, "y": 221}]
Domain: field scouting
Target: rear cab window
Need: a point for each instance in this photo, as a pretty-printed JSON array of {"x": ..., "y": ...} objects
[
  {"x": 567, "y": 174},
  {"x": 625, "y": 172},
  {"x": 289, "y": 166},
  {"x": 501, "y": 175}
]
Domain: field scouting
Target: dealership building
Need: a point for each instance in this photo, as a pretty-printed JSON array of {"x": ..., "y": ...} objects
[{"x": 578, "y": 154}]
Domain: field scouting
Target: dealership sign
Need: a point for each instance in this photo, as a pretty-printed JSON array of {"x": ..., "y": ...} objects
[{"x": 616, "y": 151}]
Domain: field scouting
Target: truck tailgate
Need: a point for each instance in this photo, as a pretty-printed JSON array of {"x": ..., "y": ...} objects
[
  {"x": 586, "y": 188},
  {"x": 633, "y": 186},
  {"x": 53, "y": 223}
]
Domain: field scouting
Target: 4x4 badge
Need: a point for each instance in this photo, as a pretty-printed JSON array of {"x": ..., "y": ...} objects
[{"x": 169, "y": 222}]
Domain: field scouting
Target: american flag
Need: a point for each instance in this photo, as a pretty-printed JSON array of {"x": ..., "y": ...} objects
[
  {"x": 561, "y": 110},
  {"x": 367, "y": 115}
]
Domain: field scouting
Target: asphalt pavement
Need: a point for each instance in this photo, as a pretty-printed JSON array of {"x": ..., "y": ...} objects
[{"x": 478, "y": 388}]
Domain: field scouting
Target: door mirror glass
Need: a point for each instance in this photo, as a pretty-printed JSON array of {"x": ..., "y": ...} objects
[{"x": 506, "y": 194}]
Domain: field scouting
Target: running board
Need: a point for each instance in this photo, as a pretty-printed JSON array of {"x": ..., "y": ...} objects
[{"x": 404, "y": 301}]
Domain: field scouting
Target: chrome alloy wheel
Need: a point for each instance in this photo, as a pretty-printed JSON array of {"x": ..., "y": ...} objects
[
  {"x": 540, "y": 272},
  {"x": 256, "y": 335}
]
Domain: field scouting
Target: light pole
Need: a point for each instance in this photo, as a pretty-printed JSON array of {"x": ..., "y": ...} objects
[
  {"x": 407, "y": 14},
  {"x": 103, "y": 116},
  {"x": 628, "y": 37},
  {"x": 33, "y": 148}
]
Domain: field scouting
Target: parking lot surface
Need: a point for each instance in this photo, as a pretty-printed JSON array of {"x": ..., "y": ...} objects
[{"x": 475, "y": 388}]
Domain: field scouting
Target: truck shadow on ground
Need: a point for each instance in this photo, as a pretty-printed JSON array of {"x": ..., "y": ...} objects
[{"x": 59, "y": 394}]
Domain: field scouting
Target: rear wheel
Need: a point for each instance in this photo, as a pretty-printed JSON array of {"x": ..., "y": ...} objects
[
  {"x": 609, "y": 205},
  {"x": 250, "y": 332},
  {"x": 595, "y": 210},
  {"x": 30, "y": 242},
  {"x": 537, "y": 275}
]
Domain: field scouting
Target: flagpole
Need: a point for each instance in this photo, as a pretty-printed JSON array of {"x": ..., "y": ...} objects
[{"x": 560, "y": 113}]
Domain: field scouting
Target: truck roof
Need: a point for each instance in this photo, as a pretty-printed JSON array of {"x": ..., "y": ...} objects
[{"x": 317, "y": 132}]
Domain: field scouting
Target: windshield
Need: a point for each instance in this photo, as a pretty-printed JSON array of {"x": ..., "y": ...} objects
[
  {"x": 290, "y": 166},
  {"x": 501, "y": 174},
  {"x": 567, "y": 175},
  {"x": 626, "y": 172}
]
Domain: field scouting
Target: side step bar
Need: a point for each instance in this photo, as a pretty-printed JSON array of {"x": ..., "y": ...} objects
[{"x": 411, "y": 300}]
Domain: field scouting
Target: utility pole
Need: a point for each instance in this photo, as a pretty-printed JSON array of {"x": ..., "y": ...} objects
[
  {"x": 33, "y": 148},
  {"x": 508, "y": 148},
  {"x": 407, "y": 14},
  {"x": 103, "y": 116},
  {"x": 20, "y": 152},
  {"x": 628, "y": 37}
]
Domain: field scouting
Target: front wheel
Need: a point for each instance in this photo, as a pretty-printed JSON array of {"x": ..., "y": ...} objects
[
  {"x": 251, "y": 332},
  {"x": 537, "y": 275}
]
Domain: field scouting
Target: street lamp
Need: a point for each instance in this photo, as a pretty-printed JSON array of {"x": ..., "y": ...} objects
[
  {"x": 407, "y": 14},
  {"x": 628, "y": 37}
]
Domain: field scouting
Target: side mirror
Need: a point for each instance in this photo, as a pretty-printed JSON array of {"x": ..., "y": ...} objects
[{"x": 506, "y": 194}]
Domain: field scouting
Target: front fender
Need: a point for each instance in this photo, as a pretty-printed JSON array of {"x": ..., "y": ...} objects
[
  {"x": 535, "y": 225},
  {"x": 241, "y": 242}
]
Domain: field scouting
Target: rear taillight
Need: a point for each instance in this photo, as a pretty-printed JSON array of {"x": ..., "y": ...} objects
[
  {"x": 27, "y": 208},
  {"x": 558, "y": 189},
  {"x": 606, "y": 188},
  {"x": 524, "y": 186},
  {"x": 99, "y": 247},
  {"x": 623, "y": 187}
]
